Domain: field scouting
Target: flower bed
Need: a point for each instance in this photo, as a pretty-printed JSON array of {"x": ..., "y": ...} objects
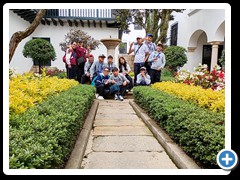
[
  {"x": 207, "y": 98},
  {"x": 43, "y": 136},
  {"x": 197, "y": 130},
  {"x": 214, "y": 79},
  {"x": 27, "y": 90}
]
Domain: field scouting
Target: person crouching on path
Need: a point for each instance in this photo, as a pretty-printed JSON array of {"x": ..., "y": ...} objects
[
  {"x": 119, "y": 84},
  {"x": 143, "y": 79},
  {"x": 102, "y": 83},
  {"x": 158, "y": 62}
]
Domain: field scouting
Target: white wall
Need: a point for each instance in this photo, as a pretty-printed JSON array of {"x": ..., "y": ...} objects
[
  {"x": 131, "y": 36},
  {"x": 56, "y": 35},
  {"x": 18, "y": 61},
  {"x": 210, "y": 21}
]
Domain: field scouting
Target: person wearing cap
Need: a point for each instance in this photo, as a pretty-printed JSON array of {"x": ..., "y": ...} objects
[
  {"x": 158, "y": 62},
  {"x": 141, "y": 54},
  {"x": 151, "y": 47},
  {"x": 143, "y": 79},
  {"x": 82, "y": 54},
  {"x": 102, "y": 83},
  {"x": 87, "y": 66},
  {"x": 110, "y": 63},
  {"x": 118, "y": 84},
  {"x": 97, "y": 67}
]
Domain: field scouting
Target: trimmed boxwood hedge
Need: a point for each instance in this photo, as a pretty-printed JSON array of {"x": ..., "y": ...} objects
[
  {"x": 44, "y": 135},
  {"x": 198, "y": 131}
]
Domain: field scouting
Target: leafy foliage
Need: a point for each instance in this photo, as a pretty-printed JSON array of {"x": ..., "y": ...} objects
[
  {"x": 152, "y": 20},
  {"x": 214, "y": 79},
  {"x": 27, "y": 90},
  {"x": 198, "y": 131},
  {"x": 222, "y": 59},
  {"x": 175, "y": 57},
  {"x": 43, "y": 137},
  {"x": 78, "y": 34},
  {"x": 40, "y": 50},
  {"x": 206, "y": 98},
  {"x": 56, "y": 72}
]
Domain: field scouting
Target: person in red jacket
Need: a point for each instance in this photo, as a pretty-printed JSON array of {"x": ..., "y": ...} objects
[{"x": 82, "y": 55}]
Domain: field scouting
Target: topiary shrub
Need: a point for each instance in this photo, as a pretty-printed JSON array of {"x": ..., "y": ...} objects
[
  {"x": 39, "y": 50},
  {"x": 175, "y": 57}
]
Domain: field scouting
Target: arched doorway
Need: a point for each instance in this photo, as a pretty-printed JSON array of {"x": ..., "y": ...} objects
[{"x": 198, "y": 50}]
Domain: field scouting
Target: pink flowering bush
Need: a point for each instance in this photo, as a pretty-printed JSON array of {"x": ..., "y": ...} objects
[
  {"x": 214, "y": 79},
  {"x": 56, "y": 72}
]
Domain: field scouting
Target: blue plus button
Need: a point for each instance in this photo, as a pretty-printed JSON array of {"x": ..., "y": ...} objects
[{"x": 227, "y": 159}]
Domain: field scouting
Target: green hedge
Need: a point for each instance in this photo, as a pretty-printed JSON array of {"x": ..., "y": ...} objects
[
  {"x": 44, "y": 135},
  {"x": 198, "y": 131}
]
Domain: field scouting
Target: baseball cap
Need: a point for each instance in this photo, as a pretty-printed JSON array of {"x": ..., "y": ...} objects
[
  {"x": 143, "y": 68},
  {"x": 90, "y": 55},
  {"x": 101, "y": 55},
  {"x": 150, "y": 35}
]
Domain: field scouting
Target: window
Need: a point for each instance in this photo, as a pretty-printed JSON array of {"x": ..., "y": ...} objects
[
  {"x": 174, "y": 32},
  {"x": 35, "y": 62}
]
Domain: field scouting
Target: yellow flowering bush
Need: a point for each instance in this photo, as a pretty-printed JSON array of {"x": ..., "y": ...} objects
[
  {"x": 207, "y": 98},
  {"x": 28, "y": 89}
]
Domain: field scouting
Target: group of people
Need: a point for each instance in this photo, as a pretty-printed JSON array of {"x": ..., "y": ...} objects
[
  {"x": 107, "y": 77},
  {"x": 75, "y": 59},
  {"x": 149, "y": 60}
]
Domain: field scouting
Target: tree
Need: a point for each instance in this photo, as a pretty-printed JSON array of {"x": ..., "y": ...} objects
[
  {"x": 152, "y": 20},
  {"x": 17, "y": 37},
  {"x": 75, "y": 35},
  {"x": 39, "y": 50},
  {"x": 175, "y": 57}
]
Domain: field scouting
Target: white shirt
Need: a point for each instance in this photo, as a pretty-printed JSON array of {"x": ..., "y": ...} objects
[{"x": 140, "y": 53}]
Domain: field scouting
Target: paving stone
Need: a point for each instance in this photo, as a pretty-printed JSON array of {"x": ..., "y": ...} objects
[
  {"x": 120, "y": 122},
  {"x": 129, "y": 160},
  {"x": 126, "y": 143},
  {"x": 122, "y": 130},
  {"x": 111, "y": 116}
]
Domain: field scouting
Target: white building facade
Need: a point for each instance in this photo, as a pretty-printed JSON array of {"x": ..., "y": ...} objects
[
  {"x": 202, "y": 33},
  {"x": 98, "y": 24}
]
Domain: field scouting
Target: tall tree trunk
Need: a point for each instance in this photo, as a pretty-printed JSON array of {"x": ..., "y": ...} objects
[
  {"x": 165, "y": 18},
  {"x": 152, "y": 25},
  {"x": 17, "y": 37}
]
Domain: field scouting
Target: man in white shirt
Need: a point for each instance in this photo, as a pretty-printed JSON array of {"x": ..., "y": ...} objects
[
  {"x": 151, "y": 47},
  {"x": 140, "y": 50}
]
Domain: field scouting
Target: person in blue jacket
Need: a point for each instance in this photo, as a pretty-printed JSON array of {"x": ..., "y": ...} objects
[{"x": 102, "y": 83}]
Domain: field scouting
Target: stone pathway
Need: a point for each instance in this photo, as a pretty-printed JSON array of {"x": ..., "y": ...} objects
[{"x": 120, "y": 140}]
